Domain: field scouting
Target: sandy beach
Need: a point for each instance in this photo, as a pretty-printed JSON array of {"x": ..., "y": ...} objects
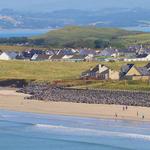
[{"x": 11, "y": 100}]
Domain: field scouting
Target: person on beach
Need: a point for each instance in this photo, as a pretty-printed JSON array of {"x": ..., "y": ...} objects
[
  {"x": 116, "y": 115},
  {"x": 126, "y": 107},
  {"x": 123, "y": 108},
  {"x": 137, "y": 114}
]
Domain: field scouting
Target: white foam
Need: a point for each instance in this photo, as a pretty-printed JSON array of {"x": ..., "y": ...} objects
[{"x": 96, "y": 132}]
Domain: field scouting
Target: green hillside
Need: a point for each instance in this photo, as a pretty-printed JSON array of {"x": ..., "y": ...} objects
[
  {"x": 80, "y": 37},
  {"x": 137, "y": 39},
  {"x": 90, "y": 37}
]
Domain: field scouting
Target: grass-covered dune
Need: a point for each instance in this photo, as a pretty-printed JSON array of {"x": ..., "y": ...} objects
[
  {"x": 41, "y": 71},
  {"x": 68, "y": 72},
  {"x": 49, "y": 71}
]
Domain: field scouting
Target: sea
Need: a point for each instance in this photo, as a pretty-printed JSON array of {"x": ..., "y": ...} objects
[
  {"x": 29, "y": 131},
  {"x": 138, "y": 28},
  {"x": 7, "y": 33}
]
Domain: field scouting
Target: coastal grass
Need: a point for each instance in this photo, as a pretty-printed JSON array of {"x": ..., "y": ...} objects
[
  {"x": 42, "y": 71},
  {"x": 117, "y": 85},
  {"x": 16, "y": 48},
  {"x": 66, "y": 72}
]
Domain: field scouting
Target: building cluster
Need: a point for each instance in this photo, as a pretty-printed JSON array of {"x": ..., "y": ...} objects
[
  {"x": 133, "y": 53},
  {"x": 127, "y": 72}
]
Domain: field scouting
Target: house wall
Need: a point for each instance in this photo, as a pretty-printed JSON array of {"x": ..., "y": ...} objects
[
  {"x": 102, "y": 76},
  {"x": 148, "y": 57},
  {"x": 137, "y": 59},
  {"x": 4, "y": 56},
  {"x": 144, "y": 78},
  {"x": 102, "y": 68},
  {"x": 132, "y": 72},
  {"x": 113, "y": 75}
]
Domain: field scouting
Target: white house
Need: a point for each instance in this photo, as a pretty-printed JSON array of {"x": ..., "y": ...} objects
[
  {"x": 34, "y": 57},
  {"x": 146, "y": 58},
  {"x": 8, "y": 56},
  {"x": 67, "y": 57},
  {"x": 89, "y": 57}
]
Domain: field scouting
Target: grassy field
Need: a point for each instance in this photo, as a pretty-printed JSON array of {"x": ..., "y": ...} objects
[
  {"x": 43, "y": 71},
  {"x": 136, "y": 39},
  {"x": 6, "y": 48},
  {"x": 49, "y": 71},
  {"x": 67, "y": 72},
  {"x": 121, "y": 85}
]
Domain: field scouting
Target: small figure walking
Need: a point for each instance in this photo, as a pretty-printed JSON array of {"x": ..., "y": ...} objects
[
  {"x": 116, "y": 115},
  {"x": 143, "y": 117},
  {"x": 126, "y": 107},
  {"x": 137, "y": 114},
  {"x": 123, "y": 108}
]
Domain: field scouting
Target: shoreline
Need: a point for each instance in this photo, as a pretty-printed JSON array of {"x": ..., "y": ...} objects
[{"x": 12, "y": 101}]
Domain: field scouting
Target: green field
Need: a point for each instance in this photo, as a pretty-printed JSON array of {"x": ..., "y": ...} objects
[
  {"x": 41, "y": 71},
  {"x": 6, "y": 48},
  {"x": 66, "y": 72},
  {"x": 117, "y": 85}
]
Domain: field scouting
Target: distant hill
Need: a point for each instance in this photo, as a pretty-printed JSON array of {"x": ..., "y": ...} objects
[
  {"x": 114, "y": 18},
  {"x": 83, "y": 37},
  {"x": 90, "y": 37}
]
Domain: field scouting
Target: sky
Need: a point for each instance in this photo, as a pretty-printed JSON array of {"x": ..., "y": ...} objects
[{"x": 50, "y": 5}]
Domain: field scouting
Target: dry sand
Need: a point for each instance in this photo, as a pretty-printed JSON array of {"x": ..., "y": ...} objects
[{"x": 11, "y": 100}]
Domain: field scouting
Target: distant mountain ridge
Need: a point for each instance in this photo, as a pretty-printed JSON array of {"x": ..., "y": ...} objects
[{"x": 11, "y": 19}]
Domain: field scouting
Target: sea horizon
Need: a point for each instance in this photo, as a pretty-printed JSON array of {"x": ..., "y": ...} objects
[{"x": 20, "y": 130}]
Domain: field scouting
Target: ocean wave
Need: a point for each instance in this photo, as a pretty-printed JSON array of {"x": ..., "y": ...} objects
[{"x": 96, "y": 132}]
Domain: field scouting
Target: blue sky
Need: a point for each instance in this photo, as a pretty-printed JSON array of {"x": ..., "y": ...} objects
[{"x": 48, "y": 5}]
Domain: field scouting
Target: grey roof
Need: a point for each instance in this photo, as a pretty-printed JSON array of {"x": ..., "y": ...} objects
[
  {"x": 78, "y": 57},
  {"x": 142, "y": 55},
  {"x": 54, "y": 57},
  {"x": 144, "y": 71},
  {"x": 87, "y": 52},
  {"x": 65, "y": 52},
  {"x": 148, "y": 66},
  {"x": 12, "y": 55},
  {"x": 20, "y": 56},
  {"x": 95, "y": 69},
  {"x": 108, "y": 52},
  {"x": 126, "y": 51},
  {"x": 126, "y": 68},
  {"x": 42, "y": 57}
]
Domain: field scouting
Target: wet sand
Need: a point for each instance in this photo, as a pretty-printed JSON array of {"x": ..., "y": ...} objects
[{"x": 11, "y": 100}]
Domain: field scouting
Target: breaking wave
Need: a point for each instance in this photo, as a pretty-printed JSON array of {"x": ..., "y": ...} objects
[{"x": 96, "y": 132}]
